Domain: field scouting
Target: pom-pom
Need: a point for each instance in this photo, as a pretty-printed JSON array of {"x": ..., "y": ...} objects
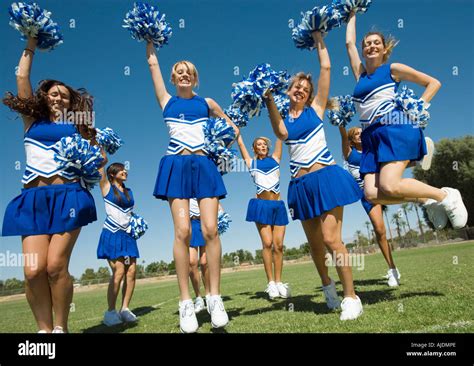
[
  {"x": 145, "y": 22},
  {"x": 218, "y": 135},
  {"x": 108, "y": 139},
  {"x": 345, "y": 7},
  {"x": 282, "y": 102},
  {"x": 138, "y": 226},
  {"x": 32, "y": 21},
  {"x": 239, "y": 118},
  {"x": 322, "y": 19},
  {"x": 77, "y": 154},
  {"x": 415, "y": 108},
  {"x": 223, "y": 222},
  {"x": 247, "y": 94},
  {"x": 343, "y": 112}
]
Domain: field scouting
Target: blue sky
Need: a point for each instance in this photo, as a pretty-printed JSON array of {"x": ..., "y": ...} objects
[{"x": 218, "y": 37}]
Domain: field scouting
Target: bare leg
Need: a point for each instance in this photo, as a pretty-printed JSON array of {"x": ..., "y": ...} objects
[
  {"x": 204, "y": 271},
  {"x": 59, "y": 254},
  {"x": 182, "y": 236},
  {"x": 266, "y": 236},
  {"x": 194, "y": 270},
  {"x": 376, "y": 217},
  {"x": 118, "y": 272},
  {"x": 278, "y": 236},
  {"x": 129, "y": 282},
  {"x": 37, "y": 288}
]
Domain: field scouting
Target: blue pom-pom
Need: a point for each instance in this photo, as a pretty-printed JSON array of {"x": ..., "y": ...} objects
[
  {"x": 239, "y": 118},
  {"x": 345, "y": 7},
  {"x": 223, "y": 222},
  {"x": 342, "y": 115},
  {"x": 108, "y": 139},
  {"x": 77, "y": 154},
  {"x": 32, "y": 21},
  {"x": 282, "y": 102},
  {"x": 145, "y": 22},
  {"x": 247, "y": 94},
  {"x": 322, "y": 19},
  {"x": 415, "y": 108},
  {"x": 138, "y": 226},
  {"x": 218, "y": 135}
]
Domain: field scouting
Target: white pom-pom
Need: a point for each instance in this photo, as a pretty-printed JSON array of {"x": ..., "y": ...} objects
[{"x": 415, "y": 108}]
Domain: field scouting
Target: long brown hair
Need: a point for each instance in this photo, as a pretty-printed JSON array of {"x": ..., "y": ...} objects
[
  {"x": 112, "y": 171},
  {"x": 36, "y": 106}
]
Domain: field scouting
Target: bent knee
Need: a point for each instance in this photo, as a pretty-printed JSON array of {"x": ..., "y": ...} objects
[{"x": 33, "y": 273}]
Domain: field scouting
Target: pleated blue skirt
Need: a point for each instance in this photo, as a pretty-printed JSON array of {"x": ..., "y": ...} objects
[
  {"x": 188, "y": 176},
  {"x": 52, "y": 209},
  {"x": 313, "y": 194},
  {"x": 115, "y": 245},
  {"x": 197, "y": 240},
  {"x": 267, "y": 212},
  {"x": 383, "y": 143},
  {"x": 366, "y": 204}
]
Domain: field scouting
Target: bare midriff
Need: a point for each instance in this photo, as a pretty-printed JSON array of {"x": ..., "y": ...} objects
[
  {"x": 189, "y": 152},
  {"x": 43, "y": 181},
  {"x": 311, "y": 169},
  {"x": 269, "y": 195}
]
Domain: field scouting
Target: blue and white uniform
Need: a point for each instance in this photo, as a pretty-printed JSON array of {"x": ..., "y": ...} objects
[
  {"x": 197, "y": 240},
  {"x": 54, "y": 208},
  {"x": 115, "y": 240},
  {"x": 187, "y": 176},
  {"x": 353, "y": 165},
  {"x": 313, "y": 194},
  {"x": 266, "y": 177},
  {"x": 388, "y": 134}
]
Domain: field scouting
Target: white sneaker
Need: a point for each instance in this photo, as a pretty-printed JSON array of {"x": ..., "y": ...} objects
[
  {"x": 208, "y": 300},
  {"x": 272, "y": 290},
  {"x": 219, "y": 317},
  {"x": 198, "y": 305},
  {"x": 454, "y": 207},
  {"x": 187, "y": 318},
  {"x": 430, "y": 148},
  {"x": 58, "y": 329},
  {"x": 332, "y": 300},
  {"x": 283, "y": 290},
  {"x": 398, "y": 274},
  {"x": 436, "y": 213},
  {"x": 127, "y": 316},
  {"x": 351, "y": 308},
  {"x": 393, "y": 278},
  {"x": 112, "y": 318},
  {"x": 42, "y": 331}
]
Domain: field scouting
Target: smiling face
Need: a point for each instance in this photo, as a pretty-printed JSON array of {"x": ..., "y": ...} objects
[
  {"x": 184, "y": 75},
  {"x": 59, "y": 99},
  {"x": 260, "y": 147},
  {"x": 301, "y": 90},
  {"x": 354, "y": 135},
  {"x": 373, "y": 48},
  {"x": 121, "y": 175}
]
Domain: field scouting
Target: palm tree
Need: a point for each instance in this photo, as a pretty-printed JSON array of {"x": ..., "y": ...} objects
[
  {"x": 420, "y": 225},
  {"x": 397, "y": 221},
  {"x": 385, "y": 211},
  {"x": 358, "y": 234},
  {"x": 406, "y": 207},
  {"x": 367, "y": 225}
]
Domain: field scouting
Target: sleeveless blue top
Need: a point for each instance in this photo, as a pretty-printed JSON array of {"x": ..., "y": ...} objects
[
  {"x": 353, "y": 166},
  {"x": 119, "y": 212},
  {"x": 185, "y": 119},
  {"x": 40, "y": 146},
  {"x": 266, "y": 174},
  {"x": 374, "y": 94},
  {"x": 306, "y": 141}
]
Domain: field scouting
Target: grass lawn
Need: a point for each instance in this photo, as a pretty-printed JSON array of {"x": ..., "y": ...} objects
[{"x": 436, "y": 295}]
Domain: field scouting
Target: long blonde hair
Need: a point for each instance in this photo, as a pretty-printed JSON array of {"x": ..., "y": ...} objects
[
  {"x": 388, "y": 42},
  {"x": 351, "y": 133}
]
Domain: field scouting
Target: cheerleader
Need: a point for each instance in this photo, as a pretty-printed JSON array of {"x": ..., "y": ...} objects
[
  {"x": 186, "y": 172},
  {"x": 389, "y": 143},
  {"x": 267, "y": 210},
  {"x": 319, "y": 188},
  {"x": 53, "y": 205},
  {"x": 116, "y": 243},
  {"x": 352, "y": 151}
]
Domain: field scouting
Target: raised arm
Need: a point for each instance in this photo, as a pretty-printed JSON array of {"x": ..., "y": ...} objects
[
  {"x": 277, "y": 151},
  {"x": 275, "y": 117},
  {"x": 23, "y": 73},
  {"x": 403, "y": 72},
  {"x": 217, "y": 112},
  {"x": 354, "y": 58},
  {"x": 321, "y": 99},
  {"x": 104, "y": 182},
  {"x": 160, "y": 89},
  {"x": 244, "y": 152},
  {"x": 346, "y": 146}
]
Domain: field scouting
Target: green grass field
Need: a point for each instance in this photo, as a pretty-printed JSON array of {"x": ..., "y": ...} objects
[{"x": 436, "y": 295}]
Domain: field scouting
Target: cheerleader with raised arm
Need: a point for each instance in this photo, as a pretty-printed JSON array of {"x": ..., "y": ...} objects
[
  {"x": 319, "y": 188},
  {"x": 391, "y": 138},
  {"x": 267, "y": 210}
]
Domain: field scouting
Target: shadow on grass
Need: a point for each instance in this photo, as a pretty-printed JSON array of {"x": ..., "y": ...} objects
[
  {"x": 102, "y": 328},
  {"x": 300, "y": 303}
]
